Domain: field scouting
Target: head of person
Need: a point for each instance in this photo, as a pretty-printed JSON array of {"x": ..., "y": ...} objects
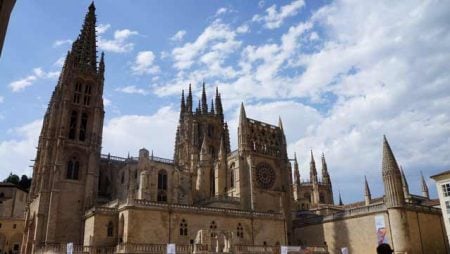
[{"x": 384, "y": 248}]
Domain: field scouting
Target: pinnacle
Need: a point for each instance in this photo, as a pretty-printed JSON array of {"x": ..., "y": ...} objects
[{"x": 388, "y": 163}]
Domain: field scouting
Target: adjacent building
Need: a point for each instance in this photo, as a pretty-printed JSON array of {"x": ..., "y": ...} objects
[
  {"x": 12, "y": 217},
  {"x": 443, "y": 190}
]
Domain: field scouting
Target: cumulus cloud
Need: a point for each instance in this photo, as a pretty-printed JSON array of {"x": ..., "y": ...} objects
[
  {"x": 17, "y": 151},
  {"x": 178, "y": 36},
  {"x": 131, "y": 132},
  {"x": 143, "y": 64},
  {"x": 274, "y": 18},
  {"x": 131, "y": 90},
  {"x": 38, "y": 73},
  {"x": 119, "y": 43},
  {"x": 218, "y": 40},
  {"x": 221, "y": 11}
]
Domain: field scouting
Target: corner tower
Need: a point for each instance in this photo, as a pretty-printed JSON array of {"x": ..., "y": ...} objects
[{"x": 65, "y": 173}]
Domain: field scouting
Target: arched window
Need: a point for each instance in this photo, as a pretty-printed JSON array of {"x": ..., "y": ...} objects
[
  {"x": 240, "y": 231},
  {"x": 83, "y": 126},
  {"x": 321, "y": 198},
  {"x": 121, "y": 228},
  {"x": 162, "y": 186},
  {"x": 110, "y": 229},
  {"x": 77, "y": 93},
  {"x": 122, "y": 178},
  {"x": 87, "y": 95},
  {"x": 183, "y": 228},
  {"x": 73, "y": 124},
  {"x": 213, "y": 228},
  {"x": 73, "y": 168}
]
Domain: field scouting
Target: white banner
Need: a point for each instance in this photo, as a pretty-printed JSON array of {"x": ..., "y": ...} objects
[{"x": 171, "y": 248}]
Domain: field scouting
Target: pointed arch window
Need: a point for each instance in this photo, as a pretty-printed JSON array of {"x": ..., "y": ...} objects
[
  {"x": 87, "y": 95},
  {"x": 77, "y": 93},
  {"x": 183, "y": 228},
  {"x": 162, "y": 186},
  {"x": 83, "y": 126},
  {"x": 73, "y": 168},
  {"x": 240, "y": 231},
  {"x": 110, "y": 229},
  {"x": 73, "y": 124}
]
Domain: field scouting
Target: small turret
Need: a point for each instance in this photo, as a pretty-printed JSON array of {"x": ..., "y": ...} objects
[
  {"x": 182, "y": 106},
  {"x": 424, "y": 186},
  {"x": 212, "y": 107},
  {"x": 101, "y": 66},
  {"x": 340, "y": 199},
  {"x": 204, "y": 154},
  {"x": 392, "y": 179},
  {"x": 189, "y": 100},
  {"x": 325, "y": 175},
  {"x": 242, "y": 129},
  {"x": 404, "y": 183},
  {"x": 367, "y": 195},
  {"x": 296, "y": 171},
  {"x": 204, "y": 105},
  {"x": 312, "y": 169},
  {"x": 219, "y": 109}
]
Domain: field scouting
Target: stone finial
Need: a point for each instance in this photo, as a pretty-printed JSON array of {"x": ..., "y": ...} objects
[{"x": 424, "y": 186}]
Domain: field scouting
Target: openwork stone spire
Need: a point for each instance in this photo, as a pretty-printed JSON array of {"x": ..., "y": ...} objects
[
  {"x": 296, "y": 170},
  {"x": 84, "y": 48},
  {"x": 312, "y": 169},
  {"x": 424, "y": 186}
]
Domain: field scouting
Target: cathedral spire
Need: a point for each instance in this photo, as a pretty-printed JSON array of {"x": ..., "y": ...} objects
[
  {"x": 340, "y": 199},
  {"x": 189, "y": 100},
  {"x": 204, "y": 107},
  {"x": 84, "y": 48},
  {"x": 280, "y": 123},
  {"x": 242, "y": 115},
  {"x": 405, "y": 185},
  {"x": 296, "y": 170},
  {"x": 424, "y": 186},
  {"x": 222, "y": 149},
  {"x": 392, "y": 179},
  {"x": 367, "y": 195},
  {"x": 219, "y": 109},
  {"x": 325, "y": 175},
  {"x": 312, "y": 169},
  {"x": 212, "y": 107}
]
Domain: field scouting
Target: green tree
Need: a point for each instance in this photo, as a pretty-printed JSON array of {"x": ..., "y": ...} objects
[{"x": 12, "y": 178}]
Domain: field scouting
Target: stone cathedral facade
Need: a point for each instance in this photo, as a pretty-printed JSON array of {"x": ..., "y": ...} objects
[{"x": 208, "y": 197}]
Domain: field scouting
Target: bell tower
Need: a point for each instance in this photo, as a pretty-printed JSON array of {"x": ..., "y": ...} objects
[{"x": 65, "y": 173}]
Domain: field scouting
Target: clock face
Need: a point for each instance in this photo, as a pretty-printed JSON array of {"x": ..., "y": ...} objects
[{"x": 265, "y": 176}]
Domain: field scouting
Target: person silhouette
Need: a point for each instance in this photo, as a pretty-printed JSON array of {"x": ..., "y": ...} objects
[{"x": 384, "y": 248}]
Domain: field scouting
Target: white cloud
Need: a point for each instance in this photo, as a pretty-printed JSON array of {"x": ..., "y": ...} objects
[
  {"x": 131, "y": 132},
  {"x": 178, "y": 36},
  {"x": 60, "y": 61},
  {"x": 119, "y": 43},
  {"x": 107, "y": 102},
  {"x": 16, "y": 153},
  {"x": 102, "y": 28},
  {"x": 131, "y": 90},
  {"x": 58, "y": 43},
  {"x": 221, "y": 11},
  {"x": 274, "y": 18},
  {"x": 217, "y": 38},
  {"x": 38, "y": 73},
  {"x": 143, "y": 63},
  {"x": 243, "y": 29}
]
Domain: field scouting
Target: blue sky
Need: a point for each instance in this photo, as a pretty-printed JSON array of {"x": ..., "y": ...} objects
[{"x": 339, "y": 73}]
